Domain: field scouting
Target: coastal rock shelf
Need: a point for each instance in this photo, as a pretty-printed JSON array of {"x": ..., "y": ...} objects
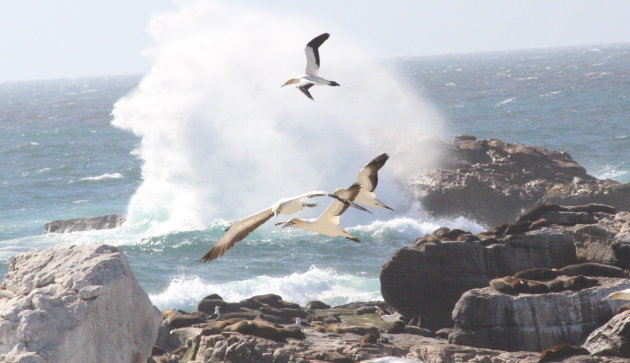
[
  {"x": 84, "y": 224},
  {"x": 533, "y": 322},
  {"x": 428, "y": 277},
  {"x": 492, "y": 181},
  {"x": 75, "y": 304},
  {"x": 349, "y": 333}
]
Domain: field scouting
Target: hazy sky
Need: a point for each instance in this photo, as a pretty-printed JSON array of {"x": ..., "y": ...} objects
[{"x": 74, "y": 38}]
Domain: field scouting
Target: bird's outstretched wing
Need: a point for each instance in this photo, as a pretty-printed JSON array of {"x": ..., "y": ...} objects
[
  {"x": 312, "y": 54},
  {"x": 336, "y": 208},
  {"x": 235, "y": 233},
  {"x": 304, "y": 88},
  {"x": 368, "y": 175}
]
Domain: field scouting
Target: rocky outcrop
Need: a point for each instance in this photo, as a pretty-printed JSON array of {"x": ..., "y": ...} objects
[
  {"x": 346, "y": 333},
  {"x": 584, "y": 191},
  {"x": 74, "y": 304},
  {"x": 490, "y": 319},
  {"x": 427, "y": 278},
  {"x": 608, "y": 241},
  {"x": 492, "y": 181},
  {"x": 84, "y": 224},
  {"x": 613, "y": 338}
]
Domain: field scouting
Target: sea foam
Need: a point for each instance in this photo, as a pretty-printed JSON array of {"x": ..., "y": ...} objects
[
  {"x": 315, "y": 283},
  {"x": 103, "y": 177}
]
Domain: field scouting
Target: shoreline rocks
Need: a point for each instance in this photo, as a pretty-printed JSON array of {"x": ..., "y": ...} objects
[
  {"x": 492, "y": 181},
  {"x": 74, "y": 304},
  {"x": 486, "y": 318},
  {"x": 85, "y": 224},
  {"x": 428, "y": 277}
]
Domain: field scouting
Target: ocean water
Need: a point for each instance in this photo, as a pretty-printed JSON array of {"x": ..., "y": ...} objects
[{"x": 182, "y": 165}]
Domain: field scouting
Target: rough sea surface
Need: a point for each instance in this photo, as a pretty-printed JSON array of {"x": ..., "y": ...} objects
[{"x": 61, "y": 158}]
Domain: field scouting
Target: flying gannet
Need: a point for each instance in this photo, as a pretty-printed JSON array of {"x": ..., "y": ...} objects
[
  {"x": 619, "y": 295},
  {"x": 328, "y": 222},
  {"x": 311, "y": 75},
  {"x": 368, "y": 178},
  {"x": 241, "y": 228}
]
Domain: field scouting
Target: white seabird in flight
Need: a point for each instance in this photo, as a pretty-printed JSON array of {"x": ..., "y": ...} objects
[
  {"x": 311, "y": 75},
  {"x": 368, "y": 178},
  {"x": 240, "y": 229},
  {"x": 328, "y": 222}
]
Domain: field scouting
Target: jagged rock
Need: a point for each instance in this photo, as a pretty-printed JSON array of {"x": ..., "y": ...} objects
[
  {"x": 84, "y": 224},
  {"x": 492, "y": 181},
  {"x": 488, "y": 319},
  {"x": 316, "y": 305},
  {"x": 590, "y": 190},
  {"x": 429, "y": 278},
  {"x": 613, "y": 338},
  {"x": 607, "y": 241},
  {"x": 75, "y": 304}
]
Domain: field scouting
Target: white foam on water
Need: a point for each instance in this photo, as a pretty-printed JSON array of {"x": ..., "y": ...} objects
[
  {"x": 315, "y": 283},
  {"x": 407, "y": 228},
  {"x": 103, "y": 177}
]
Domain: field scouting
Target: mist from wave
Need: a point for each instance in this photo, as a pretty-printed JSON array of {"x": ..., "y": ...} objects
[{"x": 221, "y": 139}]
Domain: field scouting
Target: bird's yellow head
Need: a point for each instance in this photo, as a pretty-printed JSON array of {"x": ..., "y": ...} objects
[{"x": 291, "y": 81}]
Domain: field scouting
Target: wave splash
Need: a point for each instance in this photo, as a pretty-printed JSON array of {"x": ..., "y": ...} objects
[
  {"x": 316, "y": 283},
  {"x": 105, "y": 176},
  {"x": 221, "y": 139}
]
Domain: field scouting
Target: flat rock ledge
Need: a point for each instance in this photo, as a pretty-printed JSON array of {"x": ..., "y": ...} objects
[
  {"x": 533, "y": 322},
  {"x": 258, "y": 330},
  {"x": 427, "y": 277},
  {"x": 75, "y": 304},
  {"x": 85, "y": 224}
]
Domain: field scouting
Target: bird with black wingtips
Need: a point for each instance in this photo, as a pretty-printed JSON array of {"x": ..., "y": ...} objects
[
  {"x": 311, "y": 76},
  {"x": 368, "y": 178},
  {"x": 241, "y": 228},
  {"x": 328, "y": 222}
]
